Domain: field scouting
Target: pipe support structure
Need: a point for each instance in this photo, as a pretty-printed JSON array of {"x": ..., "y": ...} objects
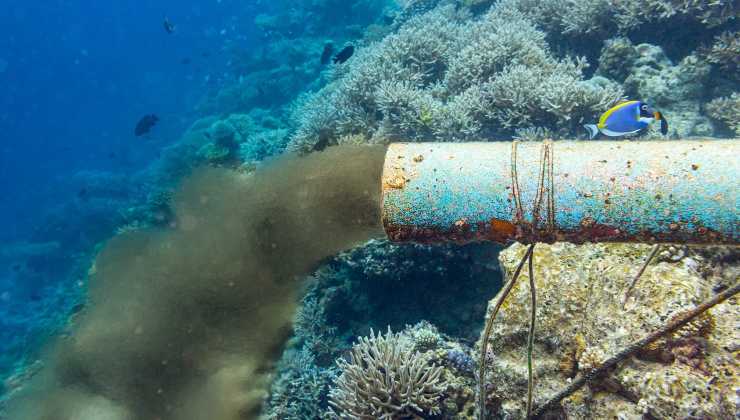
[{"x": 575, "y": 191}]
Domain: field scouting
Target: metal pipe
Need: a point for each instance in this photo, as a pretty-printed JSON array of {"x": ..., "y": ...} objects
[{"x": 575, "y": 191}]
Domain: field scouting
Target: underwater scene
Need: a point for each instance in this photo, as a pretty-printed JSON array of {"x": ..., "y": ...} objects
[{"x": 370, "y": 209}]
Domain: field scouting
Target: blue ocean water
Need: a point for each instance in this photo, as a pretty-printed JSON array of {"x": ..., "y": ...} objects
[{"x": 76, "y": 77}]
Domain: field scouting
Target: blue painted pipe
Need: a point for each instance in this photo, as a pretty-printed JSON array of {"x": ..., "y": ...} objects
[{"x": 616, "y": 191}]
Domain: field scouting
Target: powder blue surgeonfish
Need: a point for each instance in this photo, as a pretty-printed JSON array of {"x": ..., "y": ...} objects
[{"x": 626, "y": 118}]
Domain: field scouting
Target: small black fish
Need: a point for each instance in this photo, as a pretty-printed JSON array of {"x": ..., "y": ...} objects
[
  {"x": 82, "y": 193},
  {"x": 168, "y": 26},
  {"x": 16, "y": 267},
  {"x": 112, "y": 155},
  {"x": 185, "y": 61},
  {"x": 145, "y": 124},
  {"x": 326, "y": 54},
  {"x": 344, "y": 55}
]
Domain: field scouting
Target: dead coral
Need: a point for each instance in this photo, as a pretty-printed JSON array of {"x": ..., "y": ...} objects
[
  {"x": 385, "y": 379},
  {"x": 580, "y": 324}
]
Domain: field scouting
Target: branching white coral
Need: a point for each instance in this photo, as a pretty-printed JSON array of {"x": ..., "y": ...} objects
[
  {"x": 385, "y": 379},
  {"x": 499, "y": 39},
  {"x": 726, "y": 110},
  {"x": 576, "y": 17},
  {"x": 446, "y": 76}
]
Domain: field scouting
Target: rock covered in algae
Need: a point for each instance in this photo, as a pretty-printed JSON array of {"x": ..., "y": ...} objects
[{"x": 581, "y": 322}]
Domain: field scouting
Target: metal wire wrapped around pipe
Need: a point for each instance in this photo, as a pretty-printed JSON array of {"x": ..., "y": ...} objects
[{"x": 575, "y": 191}]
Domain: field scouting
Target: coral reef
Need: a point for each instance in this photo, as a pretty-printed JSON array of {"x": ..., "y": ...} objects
[
  {"x": 446, "y": 76},
  {"x": 384, "y": 378},
  {"x": 456, "y": 73},
  {"x": 349, "y": 296},
  {"x": 581, "y": 322},
  {"x": 648, "y": 74},
  {"x": 726, "y": 51},
  {"x": 314, "y": 333},
  {"x": 356, "y": 290},
  {"x": 726, "y": 110},
  {"x": 603, "y": 16},
  {"x": 301, "y": 388},
  {"x": 617, "y": 58}
]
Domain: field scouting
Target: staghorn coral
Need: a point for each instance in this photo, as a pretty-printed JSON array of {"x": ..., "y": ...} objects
[
  {"x": 300, "y": 389},
  {"x": 384, "y": 379},
  {"x": 447, "y": 76},
  {"x": 570, "y": 17},
  {"x": 726, "y": 110},
  {"x": 581, "y": 322},
  {"x": 601, "y": 17},
  {"x": 498, "y": 40},
  {"x": 533, "y": 134},
  {"x": 708, "y": 12},
  {"x": 311, "y": 329},
  {"x": 725, "y": 51},
  {"x": 554, "y": 98}
]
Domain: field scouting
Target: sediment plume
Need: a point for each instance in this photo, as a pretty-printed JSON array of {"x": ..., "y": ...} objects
[{"x": 184, "y": 323}]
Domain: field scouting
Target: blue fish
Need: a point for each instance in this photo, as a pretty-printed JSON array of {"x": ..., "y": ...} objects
[{"x": 627, "y": 118}]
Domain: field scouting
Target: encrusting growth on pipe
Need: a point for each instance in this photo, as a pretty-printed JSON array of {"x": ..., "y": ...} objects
[{"x": 605, "y": 191}]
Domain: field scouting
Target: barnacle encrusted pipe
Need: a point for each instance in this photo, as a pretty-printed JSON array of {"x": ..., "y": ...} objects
[{"x": 575, "y": 191}]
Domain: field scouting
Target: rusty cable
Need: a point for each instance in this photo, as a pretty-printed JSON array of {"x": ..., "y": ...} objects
[
  {"x": 640, "y": 272},
  {"x": 519, "y": 216},
  {"x": 530, "y": 337},
  {"x": 540, "y": 189},
  {"x": 487, "y": 333},
  {"x": 551, "y": 187}
]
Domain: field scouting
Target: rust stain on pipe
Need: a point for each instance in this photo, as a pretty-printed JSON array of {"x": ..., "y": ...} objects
[{"x": 610, "y": 191}]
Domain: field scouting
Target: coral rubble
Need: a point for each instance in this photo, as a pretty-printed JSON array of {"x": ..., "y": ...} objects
[{"x": 581, "y": 322}]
